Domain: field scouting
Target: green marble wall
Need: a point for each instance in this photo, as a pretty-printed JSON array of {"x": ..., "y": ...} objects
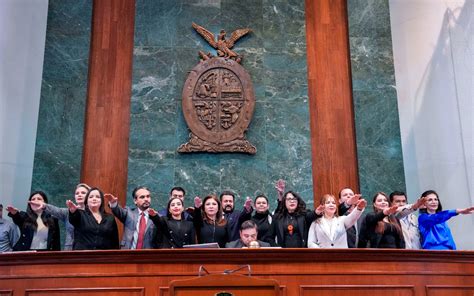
[
  {"x": 59, "y": 140},
  {"x": 166, "y": 47},
  {"x": 379, "y": 148}
]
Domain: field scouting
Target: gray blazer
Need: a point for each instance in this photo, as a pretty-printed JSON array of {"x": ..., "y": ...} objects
[
  {"x": 129, "y": 218},
  {"x": 62, "y": 214},
  {"x": 239, "y": 244}
]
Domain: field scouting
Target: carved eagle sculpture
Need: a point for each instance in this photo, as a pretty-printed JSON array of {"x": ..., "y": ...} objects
[{"x": 222, "y": 45}]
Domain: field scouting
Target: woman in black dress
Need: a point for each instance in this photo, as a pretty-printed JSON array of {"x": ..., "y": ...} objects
[
  {"x": 173, "y": 231},
  {"x": 292, "y": 221},
  {"x": 263, "y": 219},
  {"x": 210, "y": 225},
  {"x": 382, "y": 228},
  {"x": 39, "y": 230},
  {"x": 94, "y": 229}
]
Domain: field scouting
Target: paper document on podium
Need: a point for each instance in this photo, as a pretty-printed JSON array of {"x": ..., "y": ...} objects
[{"x": 205, "y": 246}]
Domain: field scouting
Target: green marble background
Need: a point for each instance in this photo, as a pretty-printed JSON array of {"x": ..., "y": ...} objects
[
  {"x": 166, "y": 48},
  {"x": 379, "y": 148}
]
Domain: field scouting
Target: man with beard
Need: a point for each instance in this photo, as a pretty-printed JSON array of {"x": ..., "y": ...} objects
[
  {"x": 234, "y": 218},
  {"x": 138, "y": 229},
  {"x": 178, "y": 192}
]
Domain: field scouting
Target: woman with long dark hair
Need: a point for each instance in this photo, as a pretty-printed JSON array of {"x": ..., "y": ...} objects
[
  {"x": 435, "y": 232},
  {"x": 173, "y": 231},
  {"x": 39, "y": 230},
  {"x": 209, "y": 222},
  {"x": 62, "y": 214},
  {"x": 94, "y": 229},
  {"x": 382, "y": 228},
  {"x": 292, "y": 221}
]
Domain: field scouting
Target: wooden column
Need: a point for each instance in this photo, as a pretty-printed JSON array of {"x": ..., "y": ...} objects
[
  {"x": 330, "y": 97},
  {"x": 107, "y": 121}
]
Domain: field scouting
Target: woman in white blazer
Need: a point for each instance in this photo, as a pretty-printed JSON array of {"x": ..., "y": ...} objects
[{"x": 329, "y": 231}]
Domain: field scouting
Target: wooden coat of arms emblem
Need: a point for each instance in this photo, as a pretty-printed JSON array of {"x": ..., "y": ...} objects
[{"x": 218, "y": 98}]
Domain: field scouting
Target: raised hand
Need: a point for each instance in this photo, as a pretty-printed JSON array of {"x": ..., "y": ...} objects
[
  {"x": 152, "y": 212},
  {"x": 110, "y": 198},
  {"x": 248, "y": 204},
  {"x": 197, "y": 202},
  {"x": 465, "y": 211},
  {"x": 391, "y": 210},
  {"x": 37, "y": 205},
  {"x": 319, "y": 210},
  {"x": 71, "y": 206},
  {"x": 280, "y": 187},
  {"x": 419, "y": 203},
  {"x": 12, "y": 210},
  {"x": 353, "y": 200},
  {"x": 361, "y": 204}
]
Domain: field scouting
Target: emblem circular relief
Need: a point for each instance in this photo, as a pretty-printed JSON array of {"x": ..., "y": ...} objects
[{"x": 218, "y": 103}]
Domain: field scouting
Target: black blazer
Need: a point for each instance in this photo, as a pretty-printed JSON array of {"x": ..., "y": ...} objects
[
  {"x": 173, "y": 233},
  {"x": 303, "y": 221},
  {"x": 369, "y": 238},
  {"x": 27, "y": 231}
]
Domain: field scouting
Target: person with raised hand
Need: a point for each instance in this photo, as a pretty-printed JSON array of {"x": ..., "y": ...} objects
[
  {"x": 62, "y": 214},
  {"x": 39, "y": 230},
  {"x": 235, "y": 217},
  {"x": 382, "y": 228},
  {"x": 209, "y": 221},
  {"x": 434, "y": 230},
  {"x": 408, "y": 220},
  {"x": 138, "y": 231},
  {"x": 347, "y": 203},
  {"x": 330, "y": 231},
  {"x": 292, "y": 221},
  {"x": 173, "y": 230},
  {"x": 94, "y": 229}
]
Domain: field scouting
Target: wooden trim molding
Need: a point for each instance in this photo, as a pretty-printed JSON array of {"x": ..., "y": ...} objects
[
  {"x": 107, "y": 120},
  {"x": 332, "y": 123}
]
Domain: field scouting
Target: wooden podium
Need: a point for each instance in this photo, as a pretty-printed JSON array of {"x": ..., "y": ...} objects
[
  {"x": 307, "y": 272},
  {"x": 225, "y": 285}
]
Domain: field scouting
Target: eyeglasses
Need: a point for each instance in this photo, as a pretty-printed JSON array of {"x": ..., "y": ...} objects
[{"x": 291, "y": 199}]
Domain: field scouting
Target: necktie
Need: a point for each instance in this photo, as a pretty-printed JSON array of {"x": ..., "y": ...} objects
[{"x": 141, "y": 231}]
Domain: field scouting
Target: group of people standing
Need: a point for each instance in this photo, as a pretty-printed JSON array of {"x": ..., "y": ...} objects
[{"x": 336, "y": 222}]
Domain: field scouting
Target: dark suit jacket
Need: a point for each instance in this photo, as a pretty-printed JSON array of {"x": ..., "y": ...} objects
[
  {"x": 28, "y": 231},
  {"x": 238, "y": 244},
  {"x": 129, "y": 218}
]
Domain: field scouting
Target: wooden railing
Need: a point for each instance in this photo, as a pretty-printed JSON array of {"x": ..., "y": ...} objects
[{"x": 297, "y": 271}]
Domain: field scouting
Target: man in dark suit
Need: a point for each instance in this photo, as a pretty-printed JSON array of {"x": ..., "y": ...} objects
[
  {"x": 234, "y": 217},
  {"x": 248, "y": 237},
  {"x": 138, "y": 229},
  {"x": 347, "y": 202}
]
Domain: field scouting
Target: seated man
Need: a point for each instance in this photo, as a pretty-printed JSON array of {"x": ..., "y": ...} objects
[{"x": 248, "y": 237}]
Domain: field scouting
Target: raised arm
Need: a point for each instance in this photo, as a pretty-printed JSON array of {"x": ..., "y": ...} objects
[
  {"x": 58, "y": 213},
  {"x": 117, "y": 210},
  {"x": 352, "y": 218},
  {"x": 429, "y": 220}
]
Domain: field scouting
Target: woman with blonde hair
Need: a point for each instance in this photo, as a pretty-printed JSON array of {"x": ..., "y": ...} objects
[{"x": 330, "y": 231}]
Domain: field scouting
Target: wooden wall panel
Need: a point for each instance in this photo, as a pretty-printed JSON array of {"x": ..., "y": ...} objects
[
  {"x": 356, "y": 290},
  {"x": 330, "y": 97},
  {"x": 451, "y": 290},
  {"x": 119, "y": 291},
  {"x": 107, "y": 120},
  {"x": 298, "y": 272}
]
